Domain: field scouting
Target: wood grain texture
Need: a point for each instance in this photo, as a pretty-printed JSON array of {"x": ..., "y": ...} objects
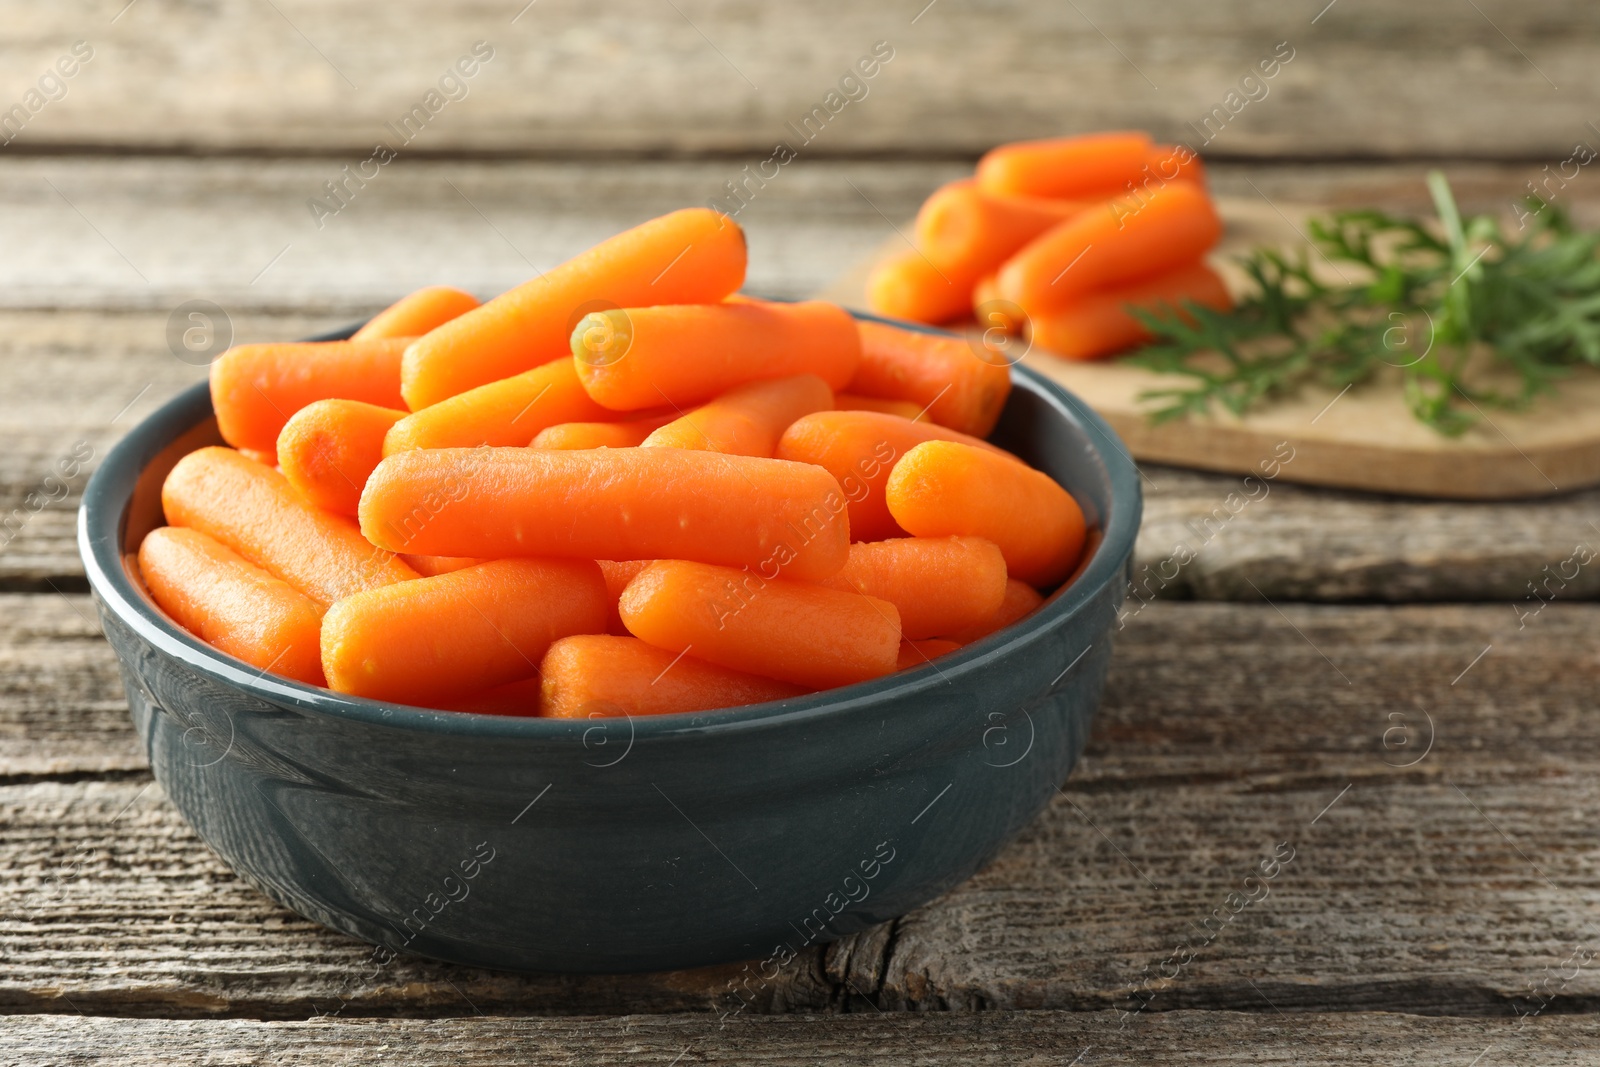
[
  {"x": 1446, "y": 886},
  {"x": 1367, "y": 78},
  {"x": 1011, "y": 1039}
]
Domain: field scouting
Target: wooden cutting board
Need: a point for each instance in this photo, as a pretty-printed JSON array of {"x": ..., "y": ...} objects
[{"x": 1365, "y": 438}]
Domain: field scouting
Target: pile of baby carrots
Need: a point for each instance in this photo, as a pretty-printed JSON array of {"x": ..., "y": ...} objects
[
  {"x": 1070, "y": 232},
  {"x": 619, "y": 488}
]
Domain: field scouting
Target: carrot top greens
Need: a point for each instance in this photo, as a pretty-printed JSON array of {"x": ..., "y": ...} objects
[{"x": 1430, "y": 300}]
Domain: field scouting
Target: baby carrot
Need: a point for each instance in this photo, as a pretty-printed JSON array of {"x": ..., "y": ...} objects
[
  {"x": 415, "y": 315},
  {"x": 1172, "y": 162},
  {"x": 254, "y": 510},
  {"x": 428, "y": 566},
  {"x": 909, "y": 286},
  {"x": 692, "y": 256},
  {"x": 1098, "y": 324},
  {"x": 792, "y": 631},
  {"x": 1118, "y": 242},
  {"x": 255, "y": 388},
  {"x": 747, "y": 420},
  {"x": 942, "y": 489},
  {"x": 1092, "y": 165},
  {"x": 618, "y": 573},
  {"x": 648, "y": 356},
  {"x": 965, "y": 230},
  {"x": 597, "y": 675},
  {"x": 436, "y": 638},
  {"x": 1021, "y": 600},
  {"x": 610, "y": 503},
  {"x": 328, "y": 448},
  {"x": 507, "y": 412},
  {"x": 574, "y": 435},
  {"x": 230, "y": 603},
  {"x": 938, "y": 584},
  {"x": 858, "y": 448},
  {"x": 946, "y": 375},
  {"x": 906, "y": 409},
  {"x": 918, "y": 653},
  {"x": 265, "y": 457}
]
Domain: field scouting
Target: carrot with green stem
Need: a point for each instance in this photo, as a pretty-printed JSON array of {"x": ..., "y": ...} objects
[
  {"x": 610, "y": 503},
  {"x": 1100, "y": 324},
  {"x": 793, "y": 631},
  {"x": 746, "y": 420},
  {"x": 1021, "y": 600},
  {"x": 417, "y": 313},
  {"x": 256, "y": 388},
  {"x": 328, "y": 448},
  {"x": 598, "y": 676},
  {"x": 692, "y": 256},
  {"x": 938, "y": 584},
  {"x": 232, "y": 604},
  {"x": 645, "y": 357},
  {"x": 254, "y": 511},
  {"x": 441, "y": 637},
  {"x": 1086, "y": 166},
  {"x": 955, "y": 385},
  {"x": 507, "y": 412}
]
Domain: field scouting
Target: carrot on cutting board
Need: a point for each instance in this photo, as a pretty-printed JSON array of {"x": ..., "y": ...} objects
[
  {"x": 858, "y": 448},
  {"x": 966, "y": 231},
  {"x": 573, "y": 435},
  {"x": 919, "y": 653},
  {"x": 416, "y": 314},
  {"x": 255, "y": 388},
  {"x": 610, "y": 503},
  {"x": 644, "y": 357},
  {"x": 329, "y": 447},
  {"x": 230, "y": 603},
  {"x": 254, "y": 510},
  {"x": 793, "y": 631},
  {"x": 938, "y": 584},
  {"x": 1099, "y": 324},
  {"x": 955, "y": 385},
  {"x": 508, "y": 412},
  {"x": 1021, "y": 600},
  {"x": 746, "y": 420},
  {"x": 944, "y": 489},
  {"x": 692, "y": 256},
  {"x": 1082, "y": 167},
  {"x": 597, "y": 676},
  {"x": 1121, "y": 241},
  {"x": 906, "y": 409},
  {"x": 909, "y": 286},
  {"x": 448, "y": 635}
]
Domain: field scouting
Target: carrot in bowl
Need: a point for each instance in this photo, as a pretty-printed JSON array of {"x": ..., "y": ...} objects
[
  {"x": 746, "y": 420},
  {"x": 230, "y": 603},
  {"x": 416, "y": 314},
  {"x": 254, "y": 510},
  {"x": 1121, "y": 241},
  {"x": 946, "y": 375},
  {"x": 969, "y": 232},
  {"x": 610, "y": 503},
  {"x": 644, "y": 357},
  {"x": 436, "y": 638},
  {"x": 793, "y": 631},
  {"x": 909, "y": 286},
  {"x": 428, "y": 566},
  {"x": 1172, "y": 162},
  {"x": 919, "y": 653},
  {"x": 255, "y": 388},
  {"x": 329, "y": 447},
  {"x": 1099, "y": 324},
  {"x": 618, "y": 573},
  {"x": 1086, "y": 166},
  {"x": 906, "y": 409},
  {"x": 508, "y": 412},
  {"x": 944, "y": 489},
  {"x": 692, "y": 256},
  {"x": 1021, "y": 600},
  {"x": 939, "y": 584},
  {"x": 629, "y": 433},
  {"x": 598, "y": 675}
]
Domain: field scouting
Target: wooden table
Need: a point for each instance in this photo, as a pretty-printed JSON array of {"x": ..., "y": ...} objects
[{"x": 1360, "y": 682}]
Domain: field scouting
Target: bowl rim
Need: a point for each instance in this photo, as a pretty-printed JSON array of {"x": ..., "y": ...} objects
[{"x": 111, "y": 583}]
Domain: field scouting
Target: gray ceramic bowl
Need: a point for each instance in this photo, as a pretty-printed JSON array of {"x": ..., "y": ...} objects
[{"x": 622, "y": 844}]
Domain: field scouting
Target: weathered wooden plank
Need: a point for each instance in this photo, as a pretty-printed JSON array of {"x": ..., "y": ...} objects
[
  {"x": 1012, "y": 1039},
  {"x": 1496, "y": 78},
  {"x": 1226, "y": 730}
]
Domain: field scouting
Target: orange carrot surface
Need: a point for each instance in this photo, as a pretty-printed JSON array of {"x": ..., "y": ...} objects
[
  {"x": 618, "y": 573},
  {"x": 427, "y": 566},
  {"x": 1096, "y": 164},
  {"x": 610, "y": 503},
  {"x": 920, "y": 653},
  {"x": 645, "y": 357},
  {"x": 1171, "y": 162},
  {"x": 255, "y": 388},
  {"x": 909, "y": 286},
  {"x": 692, "y": 256},
  {"x": 1099, "y": 324},
  {"x": 230, "y": 603},
  {"x": 793, "y": 631},
  {"x": 859, "y": 448},
  {"x": 574, "y": 435},
  {"x": 942, "y": 489},
  {"x": 254, "y": 510},
  {"x": 1121, "y": 241},
  {"x": 415, "y": 315},
  {"x": 746, "y": 420},
  {"x": 1021, "y": 600},
  {"x": 906, "y": 409},
  {"x": 957, "y": 386},
  {"x": 964, "y": 230},
  {"x": 599, "y": 676},
  {"x": 938, "y": 584},
  {"x": 329, "y": 447},
  {"x": 519, "y": 698},
  {"x": 508, "y": 412},
  {"x": 442, "y": 637},
  {"x": 265, "y": 456}
]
